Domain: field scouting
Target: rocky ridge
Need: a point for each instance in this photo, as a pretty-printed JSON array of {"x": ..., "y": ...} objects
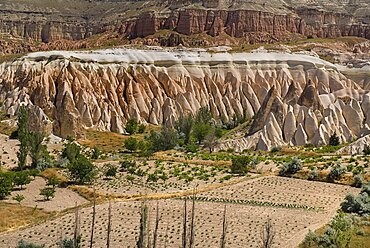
[
  {"x": 255, "y": 21},
  {"x": 294, "y": 99}
]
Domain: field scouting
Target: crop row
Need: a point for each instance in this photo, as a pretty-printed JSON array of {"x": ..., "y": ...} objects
[{"x": 255, "y": 203}]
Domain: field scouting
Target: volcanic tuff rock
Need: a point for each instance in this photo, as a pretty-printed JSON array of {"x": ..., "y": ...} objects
[
  {"x": 256, "y": 21},
  {"x": 293, "y": 99}
]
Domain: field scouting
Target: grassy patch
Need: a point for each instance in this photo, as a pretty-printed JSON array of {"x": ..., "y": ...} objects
[{"x": 14, "y": 216}]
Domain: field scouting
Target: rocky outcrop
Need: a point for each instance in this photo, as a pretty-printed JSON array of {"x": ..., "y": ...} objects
[
  {"x": 256, "y": 26},
  {"x": 293, "y": 99},
  {"x": 251, "y": 21}
]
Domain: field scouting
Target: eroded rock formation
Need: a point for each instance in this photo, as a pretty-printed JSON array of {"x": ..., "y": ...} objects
[{"x": 294, "y": 99}]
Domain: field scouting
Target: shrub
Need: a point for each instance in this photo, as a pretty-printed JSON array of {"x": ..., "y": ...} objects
[
  {"x": 6, "y": 184},
  {"x": 356, "y": 204},
  {"x": 141, "y": 128},
  {"x": 313, "y": 175},
  {"x": 276, "y": 149},
  {"x": 366, "y": 150},
  {"x": 291, "y": 167},
  {"x": 131, "y": 144},
  {"x": 47, "y": 193},
  {"x": 18, "y": 198},
  {"x": 166, "y": 139},
  {"x": 21, "y": 178},
  {"x": 338, "y": 234},
  {"x": 95, "y": 153},
  {"x": 131, "y": 126},
  {"x": 126, "y": 165},
  {"x": 81, "y": 170},
  {"x": 358, "y": 181},
  {"x": 334, "y": 140},
  {"x": 336, "y": 173},
  {"x": 110, "y": 170},
  {"x": 71, "y": 151},
  {"x": 192, "y": 148},
  {"x": 53, "y": 181},
  {"x": 240, "y": 165},
  {"x": 24, "y": 244}
]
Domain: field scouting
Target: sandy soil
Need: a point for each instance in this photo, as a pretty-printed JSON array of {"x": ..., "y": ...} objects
[
  {"x": 8, "y": 152},
  {"x": 64, "y": 198},
  {"x": 244, "y": 221}
]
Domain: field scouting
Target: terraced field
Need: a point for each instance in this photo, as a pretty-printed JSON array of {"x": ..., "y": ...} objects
[{"x": 245, "y": 221}]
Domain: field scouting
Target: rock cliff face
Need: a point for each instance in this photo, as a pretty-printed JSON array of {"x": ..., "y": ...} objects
[
  {"x": 49, "y": 21},
  {"x": 295, "y": 99},
  {"x": 257, "y": 26}
]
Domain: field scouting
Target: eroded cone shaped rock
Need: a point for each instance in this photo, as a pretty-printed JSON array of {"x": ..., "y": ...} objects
[
  {"x": 289, "y": 127},
  {"x": 264, "y": 111},
  {"x": 310, "y": 97},
  {"x": 300, "y": 136}
]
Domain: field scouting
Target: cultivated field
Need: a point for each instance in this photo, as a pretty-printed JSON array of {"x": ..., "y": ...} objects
[{"x": 316, "y": 201}]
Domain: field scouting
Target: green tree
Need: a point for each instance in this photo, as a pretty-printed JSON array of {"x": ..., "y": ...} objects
[
  {"x": 334, "y": 140},
  {"x": 131, "y": 126},
  {"x": 240, "y": 165},
  {"x": 21, "y": 178},
  {"x": 81, "y": 170},
  {"x": 6, "y": 184},
  {"x": 202, "y": 126},
  {"x": 71, "y": 151},
  {"x": 184, "y": 125},
  {"x": 47, "y": 193},
  {"x": 165, "y": 139},
  {"x": 23, "y": 137},
  {"x": 37, "y": 150},
  {"x": 201, "y": 130},
  {"x": 131, "y": 144}
]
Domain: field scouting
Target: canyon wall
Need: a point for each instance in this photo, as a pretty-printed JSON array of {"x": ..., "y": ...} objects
[
  {"x": 294, "y": 99},
  {"x": 253, "y": 25},
  {"x": 248, "y": 24}
]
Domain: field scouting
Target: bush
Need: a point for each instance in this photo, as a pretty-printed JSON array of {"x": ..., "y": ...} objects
[
  {"x": 131, "y": 144},
  {"x": 24, "y": 244},
  {"x": 276, "y": 149},
  {"x": 81, "y": 170},
  {"x": 18, "y": 198},
  {"x": 110, "y": 170},
  {"x": 95, "y": 153},
  {"x": 313, "y": 175},
  {"x": 356, "y": 204},
  {"x": 71, "y": 151},
  {"x": 127, "y": 165},
  {"x": 6, "y": 184},
  {"x": 53, "y": 181},
  {"x": 21, "y": 178},
  {"x": 192, "y": 148},
  {"x": 166, "y": 139},
  {"x": 338, "y": 234},
  {"x": 240, "y": 165},
  {"x": 336, "y": 173},
  {"x": 141, "y": 128},
  {"x": 358, "y": 181},
  {"x": 291, "y": 167},
  {"x": 334, "y": 140},
  {"x": 131, "y": 126},
  {"x": 47, "y": 193}
]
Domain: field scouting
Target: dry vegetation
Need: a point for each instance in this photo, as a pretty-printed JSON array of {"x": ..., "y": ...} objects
[{"x": 15, "y": 216}]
